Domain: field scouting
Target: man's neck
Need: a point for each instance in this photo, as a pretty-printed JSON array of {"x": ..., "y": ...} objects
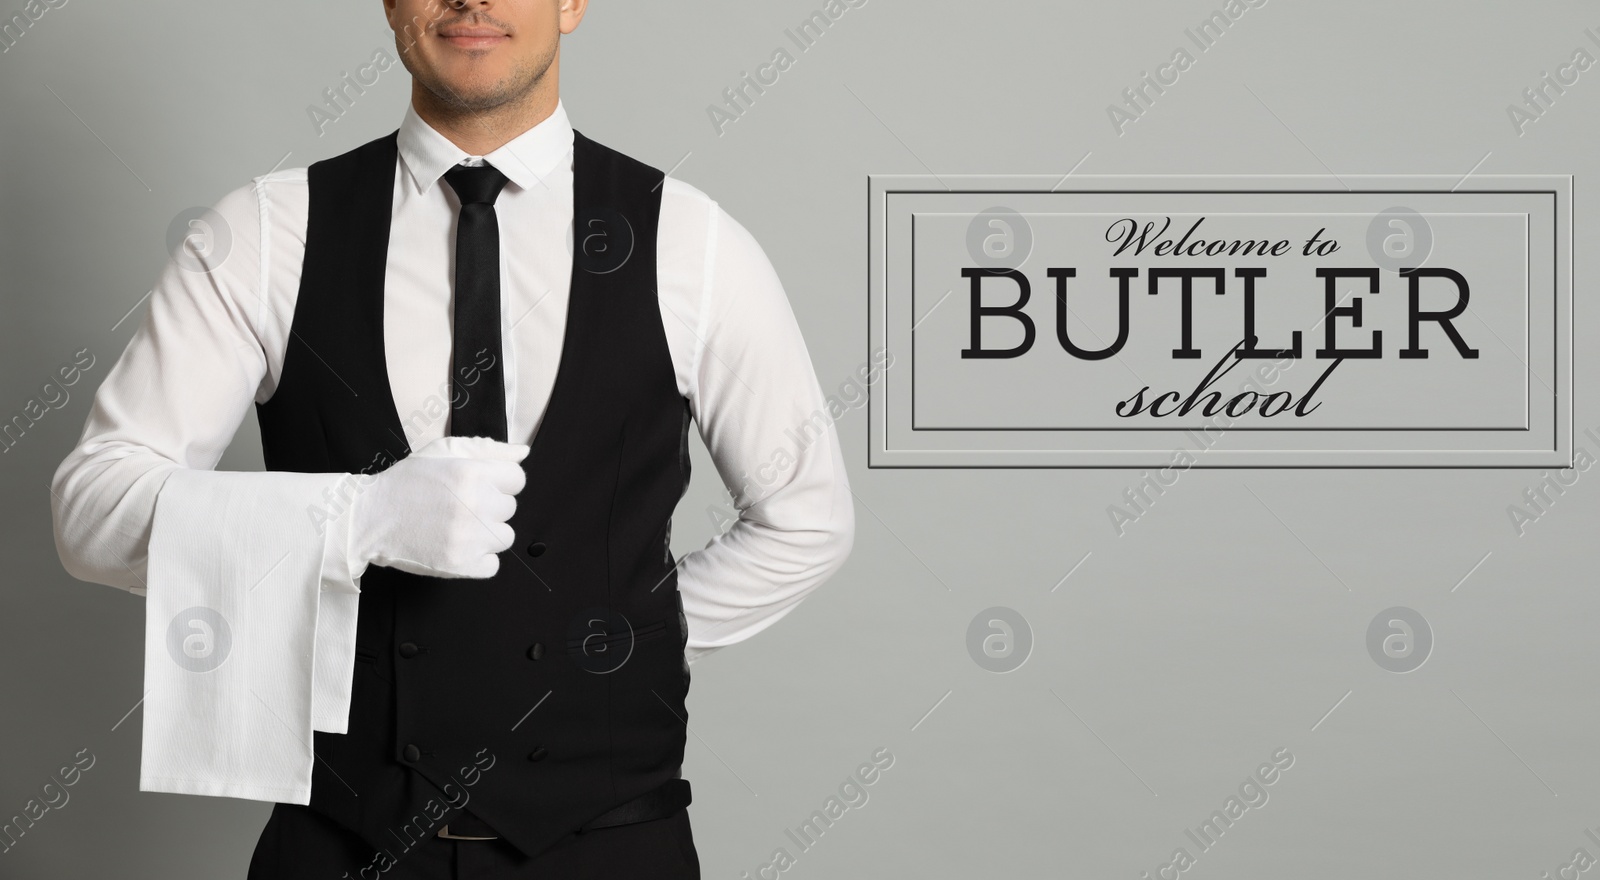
[{"x": 481, "y": 132}]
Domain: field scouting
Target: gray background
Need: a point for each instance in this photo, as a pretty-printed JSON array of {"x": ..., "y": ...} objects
[{"x": 1224, "y": 625}]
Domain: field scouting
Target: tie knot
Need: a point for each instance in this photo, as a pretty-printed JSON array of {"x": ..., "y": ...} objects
[{"x": 476, "y": 185}]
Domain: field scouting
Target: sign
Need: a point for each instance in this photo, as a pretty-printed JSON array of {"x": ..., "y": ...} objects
[{"x": 1281, "y": 321}]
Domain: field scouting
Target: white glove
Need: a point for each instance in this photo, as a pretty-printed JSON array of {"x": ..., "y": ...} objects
[{"x": 441, "y": 511}]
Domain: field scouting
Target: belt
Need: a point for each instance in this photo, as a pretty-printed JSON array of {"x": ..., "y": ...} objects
[{"x": 657, "y": 803}]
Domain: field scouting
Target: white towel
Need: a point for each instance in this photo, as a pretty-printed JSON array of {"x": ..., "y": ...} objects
[{"x": 247, "y": 648}]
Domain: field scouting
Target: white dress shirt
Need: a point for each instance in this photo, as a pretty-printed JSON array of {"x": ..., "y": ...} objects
[{"x": 138, "y": 506}]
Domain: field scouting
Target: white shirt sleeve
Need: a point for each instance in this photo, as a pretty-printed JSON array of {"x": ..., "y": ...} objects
[
  {"x": 137, "y": 505},
  {"x": 770, "y": 432}
]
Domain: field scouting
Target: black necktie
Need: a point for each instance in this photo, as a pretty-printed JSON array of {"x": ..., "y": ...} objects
[{"x": 475, "y": 368}]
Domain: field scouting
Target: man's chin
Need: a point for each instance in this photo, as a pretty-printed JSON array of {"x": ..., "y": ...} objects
[{"x": 472, "y": 95}]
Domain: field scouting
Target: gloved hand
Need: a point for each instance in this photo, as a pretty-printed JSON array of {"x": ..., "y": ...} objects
[{"x": 441, "y": 511}]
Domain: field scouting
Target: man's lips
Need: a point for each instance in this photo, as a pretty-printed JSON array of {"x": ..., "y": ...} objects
[{"x": 473, "y": 37}]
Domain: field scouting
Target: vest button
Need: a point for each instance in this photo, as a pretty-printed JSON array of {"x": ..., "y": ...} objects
[
  {"x": 536, "y": 548},
  {"x": 536, "y": 652},
  {"x": 409, "y": 650},
  {"x": 412, "y": 754},
  {"x": 538, "y": 754}
]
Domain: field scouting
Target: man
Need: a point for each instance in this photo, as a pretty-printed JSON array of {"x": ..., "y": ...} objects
[{"x": 474, "y": 347}]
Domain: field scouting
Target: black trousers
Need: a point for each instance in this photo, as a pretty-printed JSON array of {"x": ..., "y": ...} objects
[{"x": 300, "y": 843}]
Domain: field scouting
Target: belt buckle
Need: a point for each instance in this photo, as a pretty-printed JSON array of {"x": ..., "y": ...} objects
[{"x": 445, "y": 833}]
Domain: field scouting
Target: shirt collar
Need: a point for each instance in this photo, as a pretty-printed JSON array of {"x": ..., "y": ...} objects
[{"x": 526, "y": 159}]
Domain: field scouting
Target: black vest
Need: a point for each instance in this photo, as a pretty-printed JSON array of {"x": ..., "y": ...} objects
[{"x": 543, "y": 696}]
